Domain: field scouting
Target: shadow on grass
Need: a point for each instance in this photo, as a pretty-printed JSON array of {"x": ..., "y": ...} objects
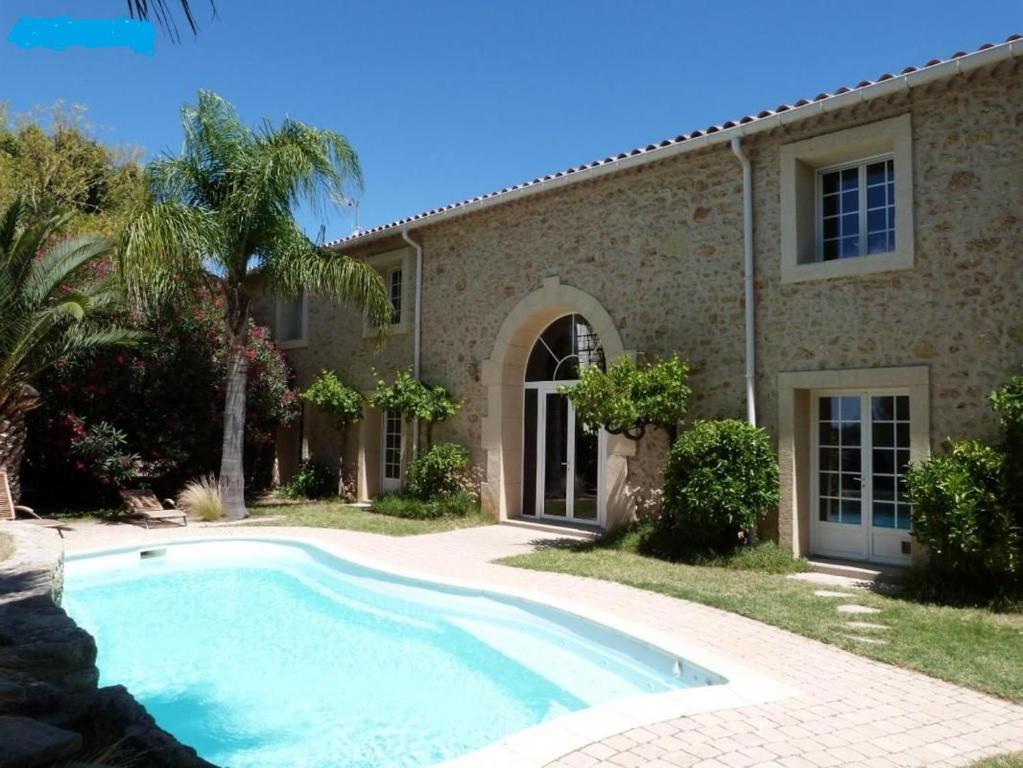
[{"x": 652, "y": 541}]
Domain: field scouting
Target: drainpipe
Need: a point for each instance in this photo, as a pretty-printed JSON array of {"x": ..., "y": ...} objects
[
  {"x": 747, "y": 236},
  {"x": 417, "y": 331}
]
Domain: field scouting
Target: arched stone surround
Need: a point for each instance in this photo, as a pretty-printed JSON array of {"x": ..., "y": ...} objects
[{"x": 502, "y": 374}]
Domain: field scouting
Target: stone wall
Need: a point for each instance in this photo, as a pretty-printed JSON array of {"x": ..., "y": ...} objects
[
  {"x": 52, "y": 711},
  {"x": 660, "y": 247},
  {"x": 957, "y": 310}
]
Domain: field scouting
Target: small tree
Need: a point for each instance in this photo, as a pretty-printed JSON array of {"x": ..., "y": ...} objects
[
  {"x": 342, "y": 403},
  {"x": 626, "y": 398},
  {"x": 415, "y": 400}
]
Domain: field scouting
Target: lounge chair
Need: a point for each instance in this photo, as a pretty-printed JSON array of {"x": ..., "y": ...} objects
[
  {"x": 144, "y": 504},
  {"x": 10, "y": 511}
]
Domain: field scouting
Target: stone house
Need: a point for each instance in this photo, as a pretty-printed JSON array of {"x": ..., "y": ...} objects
[{"x": 846, "y": 271}]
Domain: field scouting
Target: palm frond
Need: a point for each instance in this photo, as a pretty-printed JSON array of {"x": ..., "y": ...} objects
[
  {"x": 294, "y": 264},
  {"x": 164, "y": 17},
  {"x": 49, "y": 307},
  {"x": 163, "y": 252}
]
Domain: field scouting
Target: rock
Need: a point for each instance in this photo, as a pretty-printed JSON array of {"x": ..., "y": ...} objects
[
  {"x": 28, "y": 743},
  {"x": 118, "y": 719}
]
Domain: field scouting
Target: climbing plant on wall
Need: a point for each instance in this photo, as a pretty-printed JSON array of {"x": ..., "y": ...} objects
[{"x": 628, "y": 397}]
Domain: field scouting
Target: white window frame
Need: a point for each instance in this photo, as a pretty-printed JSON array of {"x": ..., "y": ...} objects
[
  {"x": 864, "y": 541},
  {"x": 390, "y": 483},
  {"x": 302, "y": 340},
  {"x": 397, "y": 313},
  {"x": 387, "y": 264},
  {"x": 861, "y": 166}
]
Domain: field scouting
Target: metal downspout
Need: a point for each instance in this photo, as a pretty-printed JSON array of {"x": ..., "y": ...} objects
[
  {"x": 747, "y": 235},
  {"x": 417, "y": 332}
]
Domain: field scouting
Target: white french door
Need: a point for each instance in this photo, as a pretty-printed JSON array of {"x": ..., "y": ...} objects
[
  {"x": 563, "y": 464},
  {"x": 390, "y": 452},
  {"x": 861, "y": 448}
]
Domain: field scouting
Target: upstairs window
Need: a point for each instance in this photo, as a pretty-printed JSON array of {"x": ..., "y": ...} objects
[
  {"x": 394, "y": 292},
  {"x": 291, "y": 317},
  {"x": 847, "y": 202},
  {"x": 856, "y": 205}
]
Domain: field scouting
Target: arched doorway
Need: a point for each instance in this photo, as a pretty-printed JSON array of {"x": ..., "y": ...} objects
[
  {"x": 503, "y": 375},
  {"x": 562, "y": 461}
]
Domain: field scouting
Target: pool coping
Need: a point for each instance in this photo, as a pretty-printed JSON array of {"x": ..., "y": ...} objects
[{"x": 550, "y": 740}]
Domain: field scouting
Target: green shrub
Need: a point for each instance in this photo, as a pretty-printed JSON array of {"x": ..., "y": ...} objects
[
  {"x": 313, "y": 480},
  {"x": 721, "y": 478},
  {"x": 960, "y": 514},
  {"x": 458, "y": 504},
  {"x": 1007, "y": 402},
  {"x": 438, "y": 472}
]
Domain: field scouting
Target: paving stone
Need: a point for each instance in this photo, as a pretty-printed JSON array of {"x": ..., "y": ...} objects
[
  {"x": 853, "y": 608},
  {"x": 865, "y": 625},
  {"x": 866, "y": 640},
  {"x": 831, "y": 593}
]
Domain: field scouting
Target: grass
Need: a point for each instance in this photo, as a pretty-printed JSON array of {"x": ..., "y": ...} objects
[
  {"x": 333, "y": 514},
  {"x": 6, "y": 545},
  {"x": 967, "y": 646},
  {"x": 1014, "y": 760}
]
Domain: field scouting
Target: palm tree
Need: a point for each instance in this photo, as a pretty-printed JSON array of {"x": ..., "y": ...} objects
[
  {"x": 52, "y": 306},
  {"x": 221, "y": 215}
]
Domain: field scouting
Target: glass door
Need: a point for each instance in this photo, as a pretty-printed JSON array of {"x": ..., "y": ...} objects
[
  {"x": 861, "y": 450},
  {"x": 390, "y": 453},
  {"x": 562, "y": 470}
]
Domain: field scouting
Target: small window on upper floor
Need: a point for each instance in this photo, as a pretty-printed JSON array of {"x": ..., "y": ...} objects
[
  {"x": 291, "y": 321},
  {"x": 856, "y": 209},
  {"x": 394, "y": 291},
  {"x": 847, "y": 202}
]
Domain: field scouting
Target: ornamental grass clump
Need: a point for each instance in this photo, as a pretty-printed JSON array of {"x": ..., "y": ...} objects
[{"x": 201, "y": 498}]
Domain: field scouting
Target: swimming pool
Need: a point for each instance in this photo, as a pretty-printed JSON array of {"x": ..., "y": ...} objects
[{"x": 261, "y": 653}]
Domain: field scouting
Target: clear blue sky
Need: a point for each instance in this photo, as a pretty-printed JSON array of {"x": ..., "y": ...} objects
[{"x": 444, "y": 100}]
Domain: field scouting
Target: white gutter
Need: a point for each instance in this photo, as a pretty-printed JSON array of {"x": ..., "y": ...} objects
[
  {"x": 747, "y": 253},
  {"x": 877, "y": 90},
  {"x": 417, "y": 331}
]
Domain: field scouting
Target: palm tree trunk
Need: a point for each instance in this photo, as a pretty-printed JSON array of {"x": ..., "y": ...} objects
[
  {"x": 232, "y": 472},
  {"x": 12, "y": 447}
]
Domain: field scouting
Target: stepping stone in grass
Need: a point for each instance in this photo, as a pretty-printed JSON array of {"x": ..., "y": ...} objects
[
  {"x": 853, "y": 608},
  {"x": 830, "y": 593},
  {"x": 865, "y": 625},
  {"x": 867, "y": 640}
]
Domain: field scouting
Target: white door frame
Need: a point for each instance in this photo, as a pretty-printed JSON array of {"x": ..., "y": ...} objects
[
  {"x": 390, "y": 484},
  {"x": 544, "y": 388},
  {"x": 865, "y": 530}
]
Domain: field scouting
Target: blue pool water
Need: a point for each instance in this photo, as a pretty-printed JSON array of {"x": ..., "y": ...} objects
[{"x": 273, "y": 654}]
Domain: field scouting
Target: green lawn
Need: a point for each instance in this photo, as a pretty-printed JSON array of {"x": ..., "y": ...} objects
[
  {"x": 320, "y": 514},
  {"x": 971, "y": 647},
  {"x": 1015, "y": 760}
]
